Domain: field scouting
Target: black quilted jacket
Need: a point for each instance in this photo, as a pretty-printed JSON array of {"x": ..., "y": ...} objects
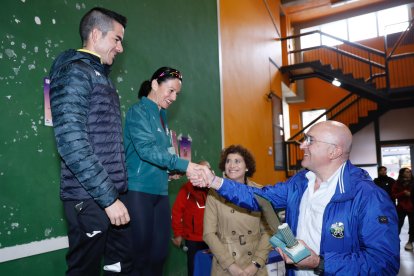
[{"x": 88, "y": 129}]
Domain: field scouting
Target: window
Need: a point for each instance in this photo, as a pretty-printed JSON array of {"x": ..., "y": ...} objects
[
  {"x": 278, "y": 133},
  {"x": 337, "y": 29},
  {"x": 312, "y": 40},
  {"x": 393, "y": 20},
  {"x": 362, "y": 27},
  {"x": 358, "y": 28},
  {"x": 395, "y": 158},
  {"x": 310, "y": 115}
]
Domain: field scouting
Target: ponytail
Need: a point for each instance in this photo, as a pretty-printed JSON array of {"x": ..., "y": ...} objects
[{"x": 144, "y": 89}]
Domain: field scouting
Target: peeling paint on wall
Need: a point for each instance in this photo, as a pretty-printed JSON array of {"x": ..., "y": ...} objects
[
  {"x": 30, "y": 39},
  {"x": 37, "y": 20},
  {"x": 10, "y": 224},
  {"x": 48, "y": 231},
  {"x": 32, "y": 34}
]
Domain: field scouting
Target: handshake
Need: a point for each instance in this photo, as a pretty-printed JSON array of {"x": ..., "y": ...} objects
[{"x": 202, "y": 176}]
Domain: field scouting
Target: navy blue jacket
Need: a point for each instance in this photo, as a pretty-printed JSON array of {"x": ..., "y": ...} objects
[
  {"x": 360, "y": 225},
  {"x": 88, "y": 129}
]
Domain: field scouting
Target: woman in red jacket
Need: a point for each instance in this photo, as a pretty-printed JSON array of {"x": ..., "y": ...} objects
[
  {"x": 187, "y": 220},
  {"x": 401, "y": 191}
]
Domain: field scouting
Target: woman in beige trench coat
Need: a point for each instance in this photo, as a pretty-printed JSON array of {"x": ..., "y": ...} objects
[{"x": 237, "y": 237}]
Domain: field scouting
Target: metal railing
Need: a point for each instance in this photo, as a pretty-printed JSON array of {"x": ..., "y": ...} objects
[
  {"x": 384, "y": 71},
  {"x": 360, "y": 61},
  {"x": 400, "y": 59},
  {"x": 347, "y": 111}
]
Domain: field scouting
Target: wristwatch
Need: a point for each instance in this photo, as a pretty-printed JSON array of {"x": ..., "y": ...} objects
[
  {"x": 321, "y": 267},
  {"x": 257, "y": 264}
]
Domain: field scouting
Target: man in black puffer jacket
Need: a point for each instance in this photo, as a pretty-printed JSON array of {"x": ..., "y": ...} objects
[{"x": 88, "y": 130}]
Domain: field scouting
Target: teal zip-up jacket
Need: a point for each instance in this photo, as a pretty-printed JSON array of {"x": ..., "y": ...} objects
[{"x": 146, "y": 149}]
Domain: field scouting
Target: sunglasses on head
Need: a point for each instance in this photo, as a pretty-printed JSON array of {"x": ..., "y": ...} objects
[{"x": 174, "y": 74}]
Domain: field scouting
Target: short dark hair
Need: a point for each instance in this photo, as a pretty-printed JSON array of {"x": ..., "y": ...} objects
[
  {"x": 162, "y": 74},
  {"x": 381, "y": 167},
  {"x": 245, "y": 153},
  {"x": 100, "y": 18}
]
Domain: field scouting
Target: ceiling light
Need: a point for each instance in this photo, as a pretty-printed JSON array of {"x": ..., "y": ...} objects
[
  {"x": 336, "y": 82},
  {"x": 335, "y": 4}
]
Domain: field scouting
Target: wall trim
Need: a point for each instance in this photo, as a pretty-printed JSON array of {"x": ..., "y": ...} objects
[
  {"x": 32, "y": 248},
  {"x": 272, "y": 18},
  {"x": 403, "y": 142},
  {"x": 221, "y": 76},
  {"x": 274, "y": 63}
]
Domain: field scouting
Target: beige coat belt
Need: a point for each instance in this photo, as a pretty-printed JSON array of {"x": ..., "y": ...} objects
[{"x": 242, "y": 239}]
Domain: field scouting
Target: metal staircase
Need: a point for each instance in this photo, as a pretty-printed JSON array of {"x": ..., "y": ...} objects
[{"x": 377, "y": 81}]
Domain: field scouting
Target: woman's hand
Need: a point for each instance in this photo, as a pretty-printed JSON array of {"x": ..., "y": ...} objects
[
  {"x": 235, "y": 270},
  {"x": 177, "y": 241},
  {"x": 199, "y": 175},
  {"x": 251, "y": 270}
]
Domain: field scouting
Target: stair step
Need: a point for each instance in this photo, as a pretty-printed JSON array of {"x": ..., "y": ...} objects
[
  {"x": 328, "y": 66},
  {"x": 338, "y": 72}
]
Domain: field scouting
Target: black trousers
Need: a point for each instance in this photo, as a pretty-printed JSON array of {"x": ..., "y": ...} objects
[
  {"x": 401, "y": 218},
  {"x": 193, "y": 247},
  {"x": 92, "y": 239},
  {"x": 151, "y": 232}
]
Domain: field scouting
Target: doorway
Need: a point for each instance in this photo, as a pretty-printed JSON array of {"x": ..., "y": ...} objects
[{"x": 396, "y": 157}]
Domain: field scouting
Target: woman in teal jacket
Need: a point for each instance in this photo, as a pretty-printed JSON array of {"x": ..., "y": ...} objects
[{"x": 150, "y": 157}]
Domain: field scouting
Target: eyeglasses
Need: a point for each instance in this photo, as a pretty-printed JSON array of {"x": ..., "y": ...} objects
[
  {"x": 174, "y": 74},
  {"x": 309, "y": 140}
]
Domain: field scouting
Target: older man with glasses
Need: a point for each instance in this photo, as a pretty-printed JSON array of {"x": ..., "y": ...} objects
[{"x": 349, "y": 224}]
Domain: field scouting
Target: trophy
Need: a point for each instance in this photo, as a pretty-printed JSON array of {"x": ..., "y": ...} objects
[{"x": 283, "y": 237}]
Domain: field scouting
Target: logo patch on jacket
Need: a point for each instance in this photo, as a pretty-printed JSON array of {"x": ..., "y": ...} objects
[
  {"x": 337, "y": 230},
  {"x": 383, "y": 219}
]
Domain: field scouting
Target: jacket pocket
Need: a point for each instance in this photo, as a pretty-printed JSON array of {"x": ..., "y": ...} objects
[{"x": 91, "y": 218}]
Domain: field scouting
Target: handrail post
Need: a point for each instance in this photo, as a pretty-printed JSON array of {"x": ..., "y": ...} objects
[
  {"x": 370, "y": 65},
  {"x": 337, "y": 58},
  {"x": 387, "y": 76}
]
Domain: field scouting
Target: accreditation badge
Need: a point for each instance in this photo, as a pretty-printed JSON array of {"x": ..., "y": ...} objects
[{"x": 337, "y": 230}]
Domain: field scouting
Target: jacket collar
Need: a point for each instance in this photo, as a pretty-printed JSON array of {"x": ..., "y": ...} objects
[
  {"x": 346, "y": 188},
  {"x": 150, "y": 104},
  {"x": 153, "y": 107},
  {"x": 350, "y": 177},
  {"x": 91, "y": 52}
]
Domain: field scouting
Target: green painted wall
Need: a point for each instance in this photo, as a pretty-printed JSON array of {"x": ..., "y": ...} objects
[{"x": 182, "y": 34}]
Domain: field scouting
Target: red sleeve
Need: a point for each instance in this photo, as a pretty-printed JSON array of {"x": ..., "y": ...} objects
[
  {"x": 178, "y": 211},
  {"x": 396, "y": 192}
]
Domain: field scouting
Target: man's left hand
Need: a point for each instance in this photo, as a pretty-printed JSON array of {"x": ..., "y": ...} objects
[
  {"x": 117, "y": 213},
  {"x": 310, "y": 262}
]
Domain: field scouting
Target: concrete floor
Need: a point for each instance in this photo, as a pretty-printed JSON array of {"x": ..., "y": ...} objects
[{"x": 406, "y": 257}]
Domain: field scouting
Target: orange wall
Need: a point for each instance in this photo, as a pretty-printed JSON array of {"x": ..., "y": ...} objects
[
  {"x": 247, "y": 42},
  {"x": 319, "y": 94}
]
